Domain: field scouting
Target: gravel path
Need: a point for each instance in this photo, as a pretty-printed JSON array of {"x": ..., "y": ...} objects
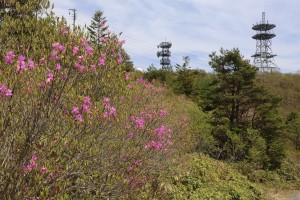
[
  {"x": 293, "y": 196},
  {"x": 288, "y": 195}
]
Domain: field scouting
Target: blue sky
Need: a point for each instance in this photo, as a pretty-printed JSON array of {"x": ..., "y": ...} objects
[{"x": 195, "y": 27}]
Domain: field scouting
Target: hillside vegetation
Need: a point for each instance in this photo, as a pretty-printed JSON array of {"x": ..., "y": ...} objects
[
  {"x": 78, "y": 122},
  {"x": 286, "y": 86}
]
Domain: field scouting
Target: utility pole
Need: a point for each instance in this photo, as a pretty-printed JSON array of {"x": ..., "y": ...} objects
[{"x": 74, "y": 16}]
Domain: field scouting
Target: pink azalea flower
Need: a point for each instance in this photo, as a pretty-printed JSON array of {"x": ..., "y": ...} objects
[
  {"x": 34, "y": 166},
  {"x": 132, "y": 118},
  {"x": 58, "y": 47},
  {"x": 80, "y": 58},
  {"x": 3, "y": 87},
  {"x": 140, "y": 80},
  {"x": 87, "y": 100},
  {"x": 83, "y": 42},
  {"x": 9, "y": 57},
  {"x": 155, "y": 145},
  {"x": 58, "y": 67},
  {"x": 162, "y": 113},
  {"x": 93, "y": 67},
  {"x": 130, "y": 135},
  {"x": 4, "y": 91},
  {"x": 120, "y": 59},
  {"x": 75, "y": 110},
  {"x": 51, "y": 175},
  {"x": 42, "y": 60},
  {"x": 140, "y": 122},
  {"x": 112, "y": 112},
  {"x": 88, "y": 50},
  {"x": 50, "y": 77},
  {"x": 106, "y": 102},
  {"x": 85, "y": 108},
  {"x": 30, "y": 64},
  {"x": 127, "y": 76},
  {"x": 79, "y": 67},
  {"x": 101, "y": 61},
  {"x": 105, "y": 115},
  {"x": 137, "y": 163},
  {"x": 21, "y": 58},
  {"x": 55, "y": 45},
  {"x": 79, "y": 117},
  {"x": 64, "y": 30},
  {"x": 75, "y": 50},
  {"x": 8, "y": 93},
  {"x": 43, "y": 169},
  {"x": 54, "y": 55},
  {"x": 102, "y": 39},
  {"x": 8, "y": 60},
  {"x": 149, "y": 116},
  {"x": 129, "y": 86},
  {"x": 11, "y": 54},
  {"x": 28, "y": 168},
  {"x": 41, "y": 85}
]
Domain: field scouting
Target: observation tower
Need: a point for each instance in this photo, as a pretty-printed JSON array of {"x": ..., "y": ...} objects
[
  {"x": 165, "y": 53},
  {"x": 264, "y": 58}
]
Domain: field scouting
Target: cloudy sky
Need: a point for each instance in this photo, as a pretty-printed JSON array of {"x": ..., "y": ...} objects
[{"x": 195, "y": 27}]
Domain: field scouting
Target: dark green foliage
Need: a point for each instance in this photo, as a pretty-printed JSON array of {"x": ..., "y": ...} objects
[
  {"x": 164, "y": 76},
  {"x": 244, "y": 117},
  {"x": 32, "y": 27},
  {"x": 98, "y": 28},
  {"x": 185, "y": 78},
  {"x": 128, "y": 64},
  {"x": 202, "y": 81},
  {"x": 200, "y": 177},
  {"x": 293, "y": 129},
  {"x": 287, "y": 86}
]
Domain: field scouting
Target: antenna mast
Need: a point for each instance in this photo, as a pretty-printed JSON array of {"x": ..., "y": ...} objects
[
  {"x": 264, "y": 58},
  {"x": 165, "y": 53}
]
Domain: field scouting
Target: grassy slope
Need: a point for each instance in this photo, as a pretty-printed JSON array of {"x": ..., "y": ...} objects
[
  {"x": 200, "y": 177},
  {"x": 286, "y": 86}
]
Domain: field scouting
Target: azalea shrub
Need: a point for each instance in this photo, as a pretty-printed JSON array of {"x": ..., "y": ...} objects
[{"x": 75, "y": 125}]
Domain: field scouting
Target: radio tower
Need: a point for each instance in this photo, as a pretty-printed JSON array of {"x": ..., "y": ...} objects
[
  {"x": 165, "y": 53},
  {"x": 264, "y": 58}
]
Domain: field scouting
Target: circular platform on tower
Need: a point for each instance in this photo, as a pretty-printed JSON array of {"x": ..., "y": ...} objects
[
  {"x": 165, "y": 61},
  {"x": 263, "y": 36},
  {"x": 165, "y": 45},
  {"x": 268, "y": 55},
  {"x": 263, "y": 27}
]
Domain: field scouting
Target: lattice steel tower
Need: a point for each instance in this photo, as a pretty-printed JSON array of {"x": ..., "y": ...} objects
[
  {"x": 165, "y": 53},
  {"x": 264, "y": 58}
]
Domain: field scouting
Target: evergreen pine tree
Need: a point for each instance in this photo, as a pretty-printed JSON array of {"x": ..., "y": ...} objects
[
  {"x": 185, "y": 78},
  {"x": 240, "y": 108},
  {"x": 98, "y": 28}
]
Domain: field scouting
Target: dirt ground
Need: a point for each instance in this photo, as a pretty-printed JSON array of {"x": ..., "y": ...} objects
[{"x": 283, "y": 195}]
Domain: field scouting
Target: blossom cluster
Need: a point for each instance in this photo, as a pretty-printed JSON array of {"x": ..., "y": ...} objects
[
  {"x": 109, "y": 111},
  {"x": 9, "y": 57},
  {"x": 33, "y": 165},
  {"x": 162, "y": 137},
  {"x": 4, "y": 91},
  {"x": 85, "y": 108}
]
